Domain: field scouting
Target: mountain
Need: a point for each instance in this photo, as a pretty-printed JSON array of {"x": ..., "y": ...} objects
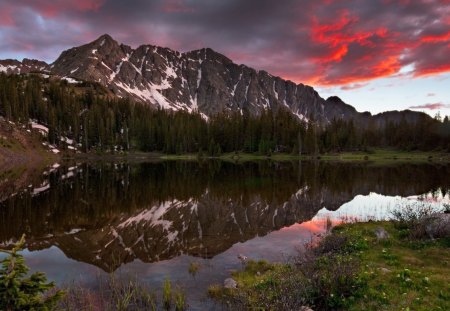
[
  {"x": 13, "y": 66},
  {"x": 200, "y": 80}
]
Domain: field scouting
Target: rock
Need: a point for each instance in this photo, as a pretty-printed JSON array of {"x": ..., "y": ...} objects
[
  {"x": 381, "y": 233},
  {"x": 242, "y": 258},
  {"x": 437, "y": 225},
  {"x": 305, "y": 308},
  {"x": 229, "y": 283},
  {"x": 385, "y": 270}
]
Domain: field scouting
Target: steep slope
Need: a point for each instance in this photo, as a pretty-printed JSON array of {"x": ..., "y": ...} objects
[
  {"x": 12, "y": 66},
  {"x": 202, "y": 80},
  {"x": 22, "y": 157}
]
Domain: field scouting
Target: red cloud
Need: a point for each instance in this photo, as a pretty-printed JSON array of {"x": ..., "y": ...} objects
[
  {"x": 437, "y": 38},
  {"x": 354, "y": 55},
  {"x": 6, "y": 19},
  {"x": 425, "y": 72},
  {"x": 433, "y": 106},
  {"x": 49, "y": 8},
  {"x": 340, "y": 43},
  {"x": 353, "y": 48},
  {"x": 6, "y": 15}
]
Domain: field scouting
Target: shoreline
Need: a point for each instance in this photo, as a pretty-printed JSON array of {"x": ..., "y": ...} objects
[
  {"x": 377, "y": 156},
  {"x": 356, "y": 266}
]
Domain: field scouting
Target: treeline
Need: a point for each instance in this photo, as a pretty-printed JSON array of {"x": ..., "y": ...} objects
[{"x": 97, "y": 122}]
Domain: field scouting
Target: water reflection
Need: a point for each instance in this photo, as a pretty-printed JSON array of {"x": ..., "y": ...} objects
[
  {"x": 84, "y": 219},
  {"x": 109, "y": 214}
]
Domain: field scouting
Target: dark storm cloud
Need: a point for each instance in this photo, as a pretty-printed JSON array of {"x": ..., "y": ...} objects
[{"x": 322, "y": 42}]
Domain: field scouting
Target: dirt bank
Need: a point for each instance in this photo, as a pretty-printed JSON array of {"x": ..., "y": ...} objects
[{"x": 22, "y": 157}]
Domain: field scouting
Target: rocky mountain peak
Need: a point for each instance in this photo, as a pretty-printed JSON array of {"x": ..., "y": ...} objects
[
  {"x": 200, "y": 80},
  {"x": 13, "y": 66}
]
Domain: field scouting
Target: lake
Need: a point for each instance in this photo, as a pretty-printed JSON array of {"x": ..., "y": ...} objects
[{"x": 151, "y": 220}]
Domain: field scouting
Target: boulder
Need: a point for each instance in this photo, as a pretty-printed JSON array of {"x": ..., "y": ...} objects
[
  {"x": 229, "y": 283},
  {"x": 381, "y": 233}
]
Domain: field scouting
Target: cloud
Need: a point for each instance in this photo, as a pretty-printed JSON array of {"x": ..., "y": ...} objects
[
  {"x": 431, "y": 106},
  {"x": 176, "y": 6},
  {"x": 320, "y": 42},
  {"x": 353, "y": 86}
]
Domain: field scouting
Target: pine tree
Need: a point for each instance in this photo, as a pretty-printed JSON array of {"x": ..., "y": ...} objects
[{"x": 18, "y": 291}]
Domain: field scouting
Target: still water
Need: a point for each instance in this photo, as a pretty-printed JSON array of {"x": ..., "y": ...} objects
[{"x": 152, "y": 220}]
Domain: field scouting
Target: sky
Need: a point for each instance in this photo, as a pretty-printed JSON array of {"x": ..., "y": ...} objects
[{"x": 376, "y": 55}]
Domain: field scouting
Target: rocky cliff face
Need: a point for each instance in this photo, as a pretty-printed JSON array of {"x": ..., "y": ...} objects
[
  {"x": 12, "y": 66},
  {"x": 201, "y": 80}
]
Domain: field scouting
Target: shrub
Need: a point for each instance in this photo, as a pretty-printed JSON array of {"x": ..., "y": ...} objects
[
  {"x": 420, "y": 220},
  {"x": 410, "y": 214},
  {"x": 338, "y": 243}
]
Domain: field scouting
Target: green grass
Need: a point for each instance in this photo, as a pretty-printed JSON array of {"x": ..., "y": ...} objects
[
  {"x": 179, "y": 300},
  {"x": 376, "y": 155},
  {"x": 403, "y": 274},
  {"x": 167, "y": 294},
  {"x": 186, "y": 157},
  {"x": 392, "y": 274}
]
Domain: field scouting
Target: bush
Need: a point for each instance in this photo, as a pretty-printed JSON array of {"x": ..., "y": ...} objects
[
  {"x": 323, "y": 277},
  {"x": 332, "y": 279},
  {"x": 410, "y": 214},
  {"x": 21, "y": 292},
  {"x": 338, "y": 243},
  {"x": 331, "y": 269},
  {"x": 420, "y": 221}
]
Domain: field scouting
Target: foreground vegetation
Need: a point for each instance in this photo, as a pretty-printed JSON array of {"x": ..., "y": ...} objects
[
  {"x": 403, "y": 264},
  {"x": 353, "y": 269},
  {"x": 20, "y": 291}
]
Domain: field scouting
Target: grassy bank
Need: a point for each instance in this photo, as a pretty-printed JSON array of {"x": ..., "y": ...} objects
[
  {"x": 377, "y": 155},
  {"x": 350, "y": 269}
]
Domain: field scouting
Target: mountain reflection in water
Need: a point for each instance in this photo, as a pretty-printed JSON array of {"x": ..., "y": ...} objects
[{"x": 109, "y": 214}]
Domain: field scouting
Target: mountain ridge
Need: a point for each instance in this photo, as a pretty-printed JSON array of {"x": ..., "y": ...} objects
[{"x": 201, "y": 80}]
